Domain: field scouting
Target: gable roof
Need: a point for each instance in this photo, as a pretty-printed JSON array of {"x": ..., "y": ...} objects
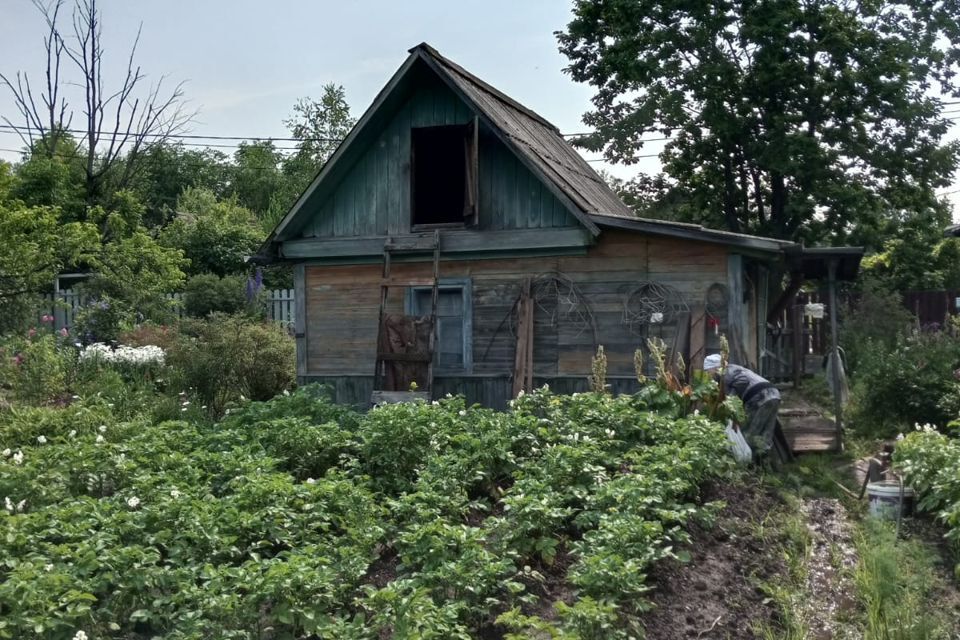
[
  {"x": 533, "y": 138},
  {"x": 536, "y": 142}
]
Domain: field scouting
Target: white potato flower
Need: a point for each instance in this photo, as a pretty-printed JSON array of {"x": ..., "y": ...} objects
[
  {"x": 174, "y": 493},
  {"x": 133, "y": 502},
  {"x": 7, "y": 453},
  {"x": 80, "y": 635},
  {"x": 101, "y": 439},
  {"x": 102, "y": 428},
  {"x": 18, "y": 457},
  {"x": 41, "y": 439},
  {"x": 73, "y": 432}
]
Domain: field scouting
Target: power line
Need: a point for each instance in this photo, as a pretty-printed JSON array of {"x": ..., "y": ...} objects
[{"x": 181, "y": 136}]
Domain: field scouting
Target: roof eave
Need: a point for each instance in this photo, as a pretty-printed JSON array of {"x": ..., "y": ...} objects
[{"x": 694, "y": 232}]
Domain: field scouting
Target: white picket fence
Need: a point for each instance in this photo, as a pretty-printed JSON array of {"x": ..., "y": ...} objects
[{"x": 280, "y": 305}]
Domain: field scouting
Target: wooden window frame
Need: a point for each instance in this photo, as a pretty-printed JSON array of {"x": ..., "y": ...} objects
[
  {"x": 465, "y": 285},
  {"x": 471, "y": 206}
]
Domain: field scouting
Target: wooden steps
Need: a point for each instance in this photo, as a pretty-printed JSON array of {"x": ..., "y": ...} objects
[{"x": 806, "y": 428}]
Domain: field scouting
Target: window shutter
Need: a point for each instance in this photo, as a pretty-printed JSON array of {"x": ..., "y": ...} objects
[{"x": 471, "y": 149}]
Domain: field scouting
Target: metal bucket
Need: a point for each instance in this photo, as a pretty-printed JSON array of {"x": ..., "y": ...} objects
[{"x": 884, "y": 499}]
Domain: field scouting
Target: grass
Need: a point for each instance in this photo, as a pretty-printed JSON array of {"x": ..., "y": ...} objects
[
  {"x": 900, "y": 586},
  {"x": 786, "y": 529}
]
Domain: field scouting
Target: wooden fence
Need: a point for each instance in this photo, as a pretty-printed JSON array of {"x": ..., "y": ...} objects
[
  {"x": 63, "y": 306},
  {"x": 786, "y": 346}
]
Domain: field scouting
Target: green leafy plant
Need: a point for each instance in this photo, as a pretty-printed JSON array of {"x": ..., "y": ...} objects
[
  {"x": 223, "y": 359},
  {"x": 208, "y": 293}
]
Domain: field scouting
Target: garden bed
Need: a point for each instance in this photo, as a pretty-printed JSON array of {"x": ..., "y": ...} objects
[{"x": 299, "y": 518}]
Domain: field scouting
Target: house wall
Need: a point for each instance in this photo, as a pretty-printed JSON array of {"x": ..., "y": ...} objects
[
  {"x": 374, "y": 196},
  {"x": 342, "y": 302}
]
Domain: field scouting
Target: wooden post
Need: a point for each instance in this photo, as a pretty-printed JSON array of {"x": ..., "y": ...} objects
[
  {"x": 835, "y": 352},
  {"x": 796, "y": 320},
  {"x": 300, "y": 318}
]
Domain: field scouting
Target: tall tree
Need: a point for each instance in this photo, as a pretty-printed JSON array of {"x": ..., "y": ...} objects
[
  {"x": 320, "y": 125},
  {"x": 784, "y": 117},
  {"x": 120, "y": 124}
]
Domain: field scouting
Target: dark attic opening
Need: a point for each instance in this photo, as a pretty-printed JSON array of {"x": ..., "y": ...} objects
[{"x": 444, "y": 161}]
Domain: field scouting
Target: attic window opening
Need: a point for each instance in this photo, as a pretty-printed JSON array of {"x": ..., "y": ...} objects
[{"x": 444, "y": 161}]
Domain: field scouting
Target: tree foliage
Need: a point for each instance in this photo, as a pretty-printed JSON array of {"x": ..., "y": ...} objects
[
  {"x": 798, "y": 119},
  {"x": 36, "y": 246},
  {"x": 215, "y": 235}
]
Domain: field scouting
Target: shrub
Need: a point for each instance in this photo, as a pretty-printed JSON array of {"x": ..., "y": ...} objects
[
  {"x": 873, "y": 324},
  {"x": 161, "y": 335},
  {"x": 208, "y": 293},
  {"x": 224, "y": 358},
  {"x": 911, "y": 383},
  {"x": 37, "y": 367},
  {"x": 103, "y": 320}
]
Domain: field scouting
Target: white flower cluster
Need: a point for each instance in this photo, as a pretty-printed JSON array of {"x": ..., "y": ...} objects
[
  {"x": 146, "y": 355},
  {"x": 926, "y": 428},
  {"x": 81, "y": 635},
  {"x": 14, "y": 508}
]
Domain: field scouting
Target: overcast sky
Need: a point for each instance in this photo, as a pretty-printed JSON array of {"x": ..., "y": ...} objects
[{"x": 246, "y": 62}]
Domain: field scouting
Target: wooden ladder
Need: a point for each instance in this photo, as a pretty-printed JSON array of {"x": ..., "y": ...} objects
[{"x": 419, "y": 243}]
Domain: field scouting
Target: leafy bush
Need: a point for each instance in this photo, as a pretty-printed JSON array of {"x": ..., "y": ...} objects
[
  {"x": 103, "y": 320},
  {"x": 208, "y": 293},
  {"x": 146, "y": 333},
  {"x": 911, "y": 383},
  {"x": 224, "y": 358},
  {"x": 930, "y": 462},
  {"x": 38, "y": 366},
  {"x": 873, "y": 324}
]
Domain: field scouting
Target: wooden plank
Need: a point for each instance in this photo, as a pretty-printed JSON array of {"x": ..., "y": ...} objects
[
  {"x": 698, "y": 336},
  {"x": 454, "y": 241},
  {"x": 417, "y": 356},
  {"x": 300, "y": 317},
  {"x": 396, "y": 397}
]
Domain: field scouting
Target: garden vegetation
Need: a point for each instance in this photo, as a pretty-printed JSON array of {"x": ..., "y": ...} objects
[{"x": 297, "y": 516}]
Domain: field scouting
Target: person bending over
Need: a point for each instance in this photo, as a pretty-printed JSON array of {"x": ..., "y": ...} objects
[{"x": 760, "y": 399}]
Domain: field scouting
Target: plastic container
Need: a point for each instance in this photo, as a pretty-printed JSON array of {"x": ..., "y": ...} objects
[{"x": 884, "y": 499}]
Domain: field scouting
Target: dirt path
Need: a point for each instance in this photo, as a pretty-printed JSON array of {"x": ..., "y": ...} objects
[{"x": 830, "y": 603}]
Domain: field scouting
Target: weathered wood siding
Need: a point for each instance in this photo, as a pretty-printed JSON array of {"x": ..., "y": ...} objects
[
  {"x": 342, "y": 303},
  {"x": 374, "y": 196}
]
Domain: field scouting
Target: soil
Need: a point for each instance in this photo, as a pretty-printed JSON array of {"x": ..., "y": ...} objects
[
  {"x": 831, "y": 597},
  {"x": 717, "y": 594}
]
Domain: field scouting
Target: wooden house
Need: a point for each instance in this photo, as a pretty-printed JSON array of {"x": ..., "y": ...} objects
[{"x": 537, "y": 261}]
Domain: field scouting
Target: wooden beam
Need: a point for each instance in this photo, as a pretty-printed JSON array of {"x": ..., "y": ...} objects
[
  {"x": 460, "y": 241},
  {"x": 835, "y": 352},
  {"x": 735, "y": 305},
  {"x": 300, "y": 317},
  {"x": 414, "y": 356}
]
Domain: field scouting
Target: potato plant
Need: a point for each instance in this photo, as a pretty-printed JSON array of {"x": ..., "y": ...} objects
[
  {"x": 298, "y": 518},
  {"x": 930, "y": 462}
]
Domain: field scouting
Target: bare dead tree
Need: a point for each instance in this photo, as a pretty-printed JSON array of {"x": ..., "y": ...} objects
[{"x": 120, "y": 126}]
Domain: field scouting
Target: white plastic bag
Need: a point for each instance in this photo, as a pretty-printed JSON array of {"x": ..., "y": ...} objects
[{"x": 738, "y": 444}]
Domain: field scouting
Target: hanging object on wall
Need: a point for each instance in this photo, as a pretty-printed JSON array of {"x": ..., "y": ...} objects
[
  {"x": 651, "y": 303},
  {"x": 717, "y": 300},
  {"x": 814, "y": 310},
  {"x": 558, "y": 301}
]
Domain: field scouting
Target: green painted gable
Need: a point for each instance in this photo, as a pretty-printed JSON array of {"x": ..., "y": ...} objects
[{"x": 372, "y": 198}]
